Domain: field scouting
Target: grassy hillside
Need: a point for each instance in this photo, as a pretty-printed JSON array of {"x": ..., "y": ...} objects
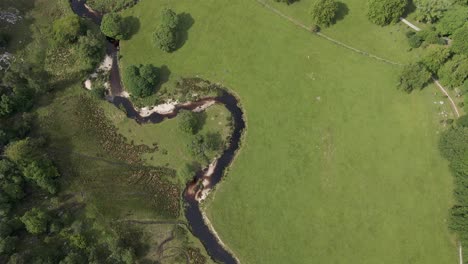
[{"x": 337, "y": 165}]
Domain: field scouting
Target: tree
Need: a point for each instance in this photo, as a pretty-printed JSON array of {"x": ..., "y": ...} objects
[
  {"x": 190, "y": 122},
  {"x": 435, "y": 58},
  {"x": 99, "y": 92},
  {"x": 454, "y": 72},
  {"x": 8, "y": 245},
  {"x": 452, "y": 20},
  {"x": 4, "y": 39},
  {"x": 430, "y": 10},
  {"x": 384, "y": 12},
  {"x": 35, "y": 221},
  {"x": 67, "y": 29},
  {"x": 113, "y": 26},
  {"x": 213, "y": 141},
  {"x": 286, "y": 1},
  {"x": 92, "y": 48},
  {"x": 414, "y": 76},
  {"x": 189, "y": 170},
  {"x": 414, "y": 40},
  {"x": 43, "y": 173},
  {"x": 324, "y": 12},
  {"x": 22, "y": 151},
  {"x": 460, "y": 40},
  {"x": 165, "y": 36},
  {"x": 463, "y": 121},
  {"x": 141, "y": 80}
]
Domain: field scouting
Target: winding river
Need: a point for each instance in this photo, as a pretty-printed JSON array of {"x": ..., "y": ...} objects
[{"x": 206, "y": 179}]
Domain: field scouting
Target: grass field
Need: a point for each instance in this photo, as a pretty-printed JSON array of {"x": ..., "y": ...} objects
[{"x": 337, "y": 165}]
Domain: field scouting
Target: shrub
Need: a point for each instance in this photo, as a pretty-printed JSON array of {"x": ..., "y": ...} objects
[
  {"x": 435, "y": 58},
  {"x": 43, "y": 173},
  {"x": 430, "y": 10},
  {"x": 452, "y": 20},
  {"x": 454, "y": 72},
  {"x": 414, "y": 40},
  {"x": 190, "y": 122},
  {"x": 35, "y": 221},
  {"x": 460, "y": 40},
  {"x": 414, "y": 76},
  {"x": 4, "y": 39},
  {"x": 141, "y": 80},
  {"x": 99, "y": 92},
  {"x": 67, "y": 29},
  {"x": 165, "y": 36},
  {"x": 213, "y": 141},
  {"x": 113, "y": 26},
  {"x": 324, "y": 12},
  {"x": 286, "y": 1},
  {"x": 384, "y": 12}
]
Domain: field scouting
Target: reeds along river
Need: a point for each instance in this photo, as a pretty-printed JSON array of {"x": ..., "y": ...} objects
[{"x": 192, "y": 210}]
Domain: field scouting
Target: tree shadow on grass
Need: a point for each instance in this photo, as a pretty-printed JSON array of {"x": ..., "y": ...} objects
[
  {"x": 133, "y": 26},
  {"x": 164, "y": 74},
  {"x": 341, "y": 12},
  {"x": 186, "y": 21}
]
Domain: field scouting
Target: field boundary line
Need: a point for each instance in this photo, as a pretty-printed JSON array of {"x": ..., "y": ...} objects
[
  {"x": 438, "y": 84},
  {"x": 339, "y": 43}
]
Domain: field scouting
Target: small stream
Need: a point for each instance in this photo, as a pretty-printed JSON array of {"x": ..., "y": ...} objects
[{"x": 192, "y": 210}]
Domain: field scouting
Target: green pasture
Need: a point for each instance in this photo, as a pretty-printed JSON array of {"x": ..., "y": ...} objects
[{"x": 337, "y": 165}]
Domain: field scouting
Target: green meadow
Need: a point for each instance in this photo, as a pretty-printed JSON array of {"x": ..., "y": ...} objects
[{"x": 337, "y": 165}]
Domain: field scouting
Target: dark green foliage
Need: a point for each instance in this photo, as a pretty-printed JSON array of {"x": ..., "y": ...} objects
[
  {"x": 414, "y": 40},
  {"x": 113, "y": 26},
  {"x": 165, "y": 36},
  {"x": 384, "y": 12},
  {"x": 460, "y": 40},
  {"x": 141, "y": 80},
  {"x": 452, "y": 20},
  {"x": 430, "y": 10},
  {"x": 413, "y": 76},
  {"x": 324, "y": 12},
  {"x": 435, "y": 58},
  {"x": 454, "y": 147},
  {"x": 35, "y": 221},
  {"x": 4, "y": 39},
  {"x": 454, "y": 72},
  {"x": 430, "y": 36},
  {"x": 105, "y": 6},
  {"x": 7, "y": 244},
  {"x": 43, "y": 173},
  {"x": 213, "y": 141},
  {"x": 99, "y": 92},
  {"x": 190, "y": 122},
  {"x": 91, "y": 46},
  {"x": 286, "y": 1},
  {"x": 463, "y": 121},
  {"x": 67, "y": 29}
]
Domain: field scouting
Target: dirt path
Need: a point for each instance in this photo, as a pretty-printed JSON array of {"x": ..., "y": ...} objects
[
  {"x": 441, "y": 88},
  {"x": 339, "y": 43}
]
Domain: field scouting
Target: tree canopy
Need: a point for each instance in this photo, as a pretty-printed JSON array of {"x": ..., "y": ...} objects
[
  {"x": 454, "y": 72},
  {"x": 35, "y": 221},
  {"x": 435, "y": 58},
  {"x": 165, "y": 36},
  {"x": 452, "y": 20},
  {"x": 430, "y": 10},
  {"x": 67, "y": 29},
  {"x": 190, "y": 122},
  {"x": 324, "y": 12},
  {"x": 141, "y": 80},
  {"x": 460, "y": 40},
  {"x": 113, "y": 26},
  {"x": 414, "y": 76},
  {"x": 384, "y": 12}
]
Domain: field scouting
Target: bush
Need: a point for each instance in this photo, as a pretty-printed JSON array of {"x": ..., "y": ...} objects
[
  {"x": 452, "y": 20},
  {"x": 463, "y": 121},
  {"x": 324, "y": 12},
  {"x": 460, "y": 40},
  {"x": 430, "y": 10},
  {"x": 435, "y": 58},
  {"x": 286, "y": 1},
  {"x": 4, "y": 39},
  {"x": 454, "y": 72},
  {"x": 189, "y": 170},
  {"x": 165, "y": 36},
  {"x": 384, "y": 12},
  {"x": 43, "y": 173},
  {"x": 190, "y": 122},
  {"x": 67, "y": 29},
  {"x": 141, "y": 80},
  {"x": 113, "y": 26},
  {"x": 431, "y": 36},
  {"x": 414, "y": 40},
  {"x": 99, "y": 93},
  {"x": 413, "y": 76},
  {"x": 35, "y": 221},
  {"x": 213, "y": 141}
]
